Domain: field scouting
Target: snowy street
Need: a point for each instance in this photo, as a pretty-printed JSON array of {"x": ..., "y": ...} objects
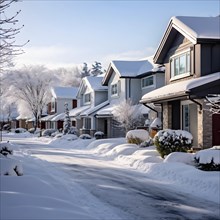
[{"x": 111, "y": 190}]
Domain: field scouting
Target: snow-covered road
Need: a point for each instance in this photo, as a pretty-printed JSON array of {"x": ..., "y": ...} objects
[{"x": 130, "y": 193}]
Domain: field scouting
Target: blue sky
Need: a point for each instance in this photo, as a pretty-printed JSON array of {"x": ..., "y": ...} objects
[{"x": 65, "y": 33}]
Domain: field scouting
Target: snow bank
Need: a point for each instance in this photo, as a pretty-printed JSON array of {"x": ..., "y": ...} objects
[
  {"x": 10, "y": 167},
  {"x": 180, "y": 157},
  {"x": 122, "y": 149}
]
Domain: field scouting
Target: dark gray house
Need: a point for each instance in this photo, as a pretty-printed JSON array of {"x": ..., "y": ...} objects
[{"x": 190, "y": 51}]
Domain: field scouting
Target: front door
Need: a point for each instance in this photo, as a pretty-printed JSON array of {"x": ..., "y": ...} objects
[{"x": 215, "y": 129}]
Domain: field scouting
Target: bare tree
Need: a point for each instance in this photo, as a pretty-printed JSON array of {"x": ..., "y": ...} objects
[
  {"x": 30, "y": 85},
  {"x": 128, "y": 115},
  {"x": 8, "y": 32}
]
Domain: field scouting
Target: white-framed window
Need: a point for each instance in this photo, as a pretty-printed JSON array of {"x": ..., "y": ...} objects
[
  {"x": 185, "y": 117},
  {"x": 114, "y": 89},
  {"x": 87, "y": 123},
  {"x": 147, "y": 81},
  {"x": 180, "y": 65},
  {"x": 87, "y": 98}
]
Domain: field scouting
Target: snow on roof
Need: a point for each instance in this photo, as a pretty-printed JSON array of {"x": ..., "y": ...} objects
[
  {"x": 58, "y": 117},
  {"x": 198, "y": 27},
  {"x": 77, "y": 111},
  {"x": 106, "y": 111},
  {"x": 48, "y": 117},
  {"x": 179, "y": 88},
  {"x": 94, "y": 109},
  {"x": 64, "y": 92},
  {"x": 96, "y": 82},
  {"x": 133, "y": 68}
]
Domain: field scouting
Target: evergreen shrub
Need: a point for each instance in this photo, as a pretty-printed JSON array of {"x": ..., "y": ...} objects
[
  {"x": 168, "y": 141},
  {"x": 208, "y": 159}
]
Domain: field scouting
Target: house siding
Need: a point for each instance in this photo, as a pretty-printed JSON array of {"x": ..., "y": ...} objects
[{"x": 100, "y": 96}]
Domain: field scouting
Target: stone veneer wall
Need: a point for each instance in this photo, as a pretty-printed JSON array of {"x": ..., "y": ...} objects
[
  {"x": 204, "y": 127},
  {"x": 207, "y": 127},
  {"x": 165, "y": 116}
]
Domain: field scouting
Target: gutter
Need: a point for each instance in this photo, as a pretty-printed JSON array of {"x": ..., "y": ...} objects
[
  {"x": 196, "y": 102},
  {"x": 151, "y": 108}
]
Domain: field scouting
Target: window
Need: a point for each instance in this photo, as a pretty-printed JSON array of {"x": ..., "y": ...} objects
[
  {"x": 87, "y": 98},
  {"x": 87, "y": 124},
  {"x": 180, "y": 65},
  {"x": 186, "y": 119},
  {"x": 148, "y": 81},
  {"x": 114, "y": 89}
]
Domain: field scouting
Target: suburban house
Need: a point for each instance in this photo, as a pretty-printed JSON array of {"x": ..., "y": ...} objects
[
  {"x": 60, "y": 96},
  {"x": 190, "y": 51},
  {"x": 91, "y": 96},
  {"x": 128, "y": 80}
]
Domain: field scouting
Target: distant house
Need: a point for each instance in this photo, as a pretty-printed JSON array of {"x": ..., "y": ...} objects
[
  {"x": 128, "y": 80},
  {"x": 91, "y": 97},
  {"x": 60, "y": 96},
  {"x": 190, "y": 51}
]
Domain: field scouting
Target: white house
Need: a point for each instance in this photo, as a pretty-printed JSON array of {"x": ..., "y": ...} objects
[
  {"x": 91, "y": 96},
  {"x": 128, "y": 80},
  {"x": 60, "y": 96}
]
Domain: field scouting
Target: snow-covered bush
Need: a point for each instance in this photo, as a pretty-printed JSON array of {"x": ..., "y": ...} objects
[
  {"x": 69, "y": 137},
  {"x": 73, "y": 130},
  {"x": 48, "y": 132},
  {"x": 6, "y": 148},
  {"x": 99, "y": 135},
  {"x": 34, "y": 131},
  {"x": 149, "y": 142},
  {"x": 168, "y": 141},
  {"x": 20, "y": 130},
  {"x": 10, "y": 167},
  {"x": 85, "y": 136},
  {"x": 137, "y": 136},
  {"x": 208, "y": 159}
]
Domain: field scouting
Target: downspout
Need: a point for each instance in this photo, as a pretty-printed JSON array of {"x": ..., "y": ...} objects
[
  {"x": 196, "y": 102},
  {"x": 151, "y": 108}
]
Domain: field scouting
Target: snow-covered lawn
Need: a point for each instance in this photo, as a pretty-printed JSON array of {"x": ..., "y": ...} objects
[{"x": 45, "y": 192}]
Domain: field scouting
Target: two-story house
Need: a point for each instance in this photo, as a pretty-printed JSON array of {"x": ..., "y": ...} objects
[
  {"x": 190, "y": 51},
  {"x": 91, "y": 96},
  {"x": 60, "y": 96},
  {"x": 128, "y": 80}
]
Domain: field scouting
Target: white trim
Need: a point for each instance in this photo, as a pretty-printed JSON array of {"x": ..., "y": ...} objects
[
  {"x": 177, "y": 55},
  {"x": 150, "y": 86}
]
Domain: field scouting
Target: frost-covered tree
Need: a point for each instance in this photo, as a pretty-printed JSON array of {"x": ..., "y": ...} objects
[
  {"x": 67, "y": 121},
  {"x": 96, "y": 69},
  {"x": 213, "y": 101},
  {"x": 67, "y": 76},
  {"x": 8, "y": 32},
  {"x": 85, "y": 70},
  {"x": 30, "y": 86},
  {"x": 128, "y": 115}
]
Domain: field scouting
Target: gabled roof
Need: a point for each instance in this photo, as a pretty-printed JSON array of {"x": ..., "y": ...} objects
[
  {"x": 64, "y": 92},
  {"x": 93, "y": 82},
  {"x": 131, "y": 69},
  {"x": 183, "y": 88},
  {"x": 196, "y": 29}
]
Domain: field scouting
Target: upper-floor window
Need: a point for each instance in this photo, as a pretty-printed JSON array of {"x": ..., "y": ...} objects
[
  {"x": 114, "y": 89},
  {"x": 180, "y": 65},
  {"x": 87, "y": 98},
  {"x": 147, "y": 81}
]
